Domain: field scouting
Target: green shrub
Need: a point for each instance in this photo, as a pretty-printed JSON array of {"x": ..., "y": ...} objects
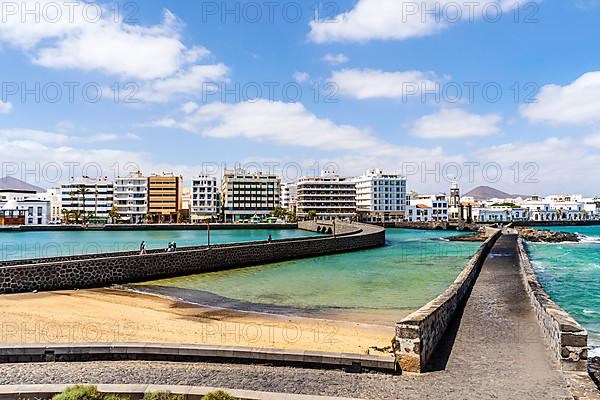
[
  {"x": 78, "y": 392},
  {"x": 219, "y": 395},
  {"x": 163, "y": 396},
  {"x": 114, "y": 397}
]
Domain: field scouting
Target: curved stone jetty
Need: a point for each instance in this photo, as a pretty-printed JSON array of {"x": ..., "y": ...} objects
[{"x": 97, "y": 270}]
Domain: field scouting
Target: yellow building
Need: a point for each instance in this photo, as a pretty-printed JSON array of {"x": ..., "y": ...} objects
[{"x": 164, "y": 197}]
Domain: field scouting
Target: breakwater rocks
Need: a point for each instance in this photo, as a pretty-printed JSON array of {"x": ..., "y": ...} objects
[
  {"x": 478, "y": 237},
  {"x": 594, "y": 369},
  {"x": 545, "y": 236}
]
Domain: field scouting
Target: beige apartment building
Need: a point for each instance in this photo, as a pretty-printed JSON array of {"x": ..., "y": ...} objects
[{"x": 164, "y": 197}]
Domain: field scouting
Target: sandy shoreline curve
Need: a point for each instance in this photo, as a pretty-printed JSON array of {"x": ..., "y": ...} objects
[{"x": 108, "y": 316}]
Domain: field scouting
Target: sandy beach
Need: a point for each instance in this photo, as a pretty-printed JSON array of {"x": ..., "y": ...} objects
[{"x": 106, "y": 315}]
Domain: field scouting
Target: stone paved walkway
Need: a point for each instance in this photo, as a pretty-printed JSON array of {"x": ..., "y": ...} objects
[
  {"x": 499, "y": 348},
  {"x": 498, "y": 353}
]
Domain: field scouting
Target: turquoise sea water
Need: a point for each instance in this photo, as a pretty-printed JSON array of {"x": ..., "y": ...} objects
[
  {"x": 412, "y": 269},
  {"x": 20, "y": 245},
  {"x": 570, "y": 273}
]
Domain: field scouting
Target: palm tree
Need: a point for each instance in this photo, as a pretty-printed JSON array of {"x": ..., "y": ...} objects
[
  {"x": 278, "y": 212},
  {"x": 82, "y": 191},
  {"x": 311, "y": 214},
  {"x": 291, "y": 216},
  {"x": 76, "y": 214},
  {"x": 114, "y": 214},
  {"x": 96, "y": 201},
  {"x": 66, "y": 215}
]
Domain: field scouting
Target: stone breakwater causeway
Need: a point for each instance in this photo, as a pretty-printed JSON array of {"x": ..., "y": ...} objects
[
  {"x": 503, "y": 264},
  {"x": 98, "y": 270}
]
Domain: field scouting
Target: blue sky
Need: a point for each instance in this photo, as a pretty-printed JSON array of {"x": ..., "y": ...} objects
[{"x": 376, "y": 53}]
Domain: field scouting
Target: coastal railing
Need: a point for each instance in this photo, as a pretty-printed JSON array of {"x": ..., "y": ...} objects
[
  {"x": 418, "y": 334},
  {"x": 566, "y": 338},
  {"x": 98, "y": 270}
]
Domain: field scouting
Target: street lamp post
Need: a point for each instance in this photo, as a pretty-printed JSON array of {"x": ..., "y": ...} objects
[{"x": 208, "y": 233}]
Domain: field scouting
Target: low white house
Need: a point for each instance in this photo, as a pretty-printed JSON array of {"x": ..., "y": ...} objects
[
  {"x": 25, "y": 212},
  {"x": 426, "y": 208},
  {"x": 500, "y": 214},
  {"x": 418, "y": 213}
]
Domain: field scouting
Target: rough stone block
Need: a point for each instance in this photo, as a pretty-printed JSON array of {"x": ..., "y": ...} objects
[{"x": 573, "y": 340}]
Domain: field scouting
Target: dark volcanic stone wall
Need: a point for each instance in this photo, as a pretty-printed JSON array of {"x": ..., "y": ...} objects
[{"x": 102, "y": 270}]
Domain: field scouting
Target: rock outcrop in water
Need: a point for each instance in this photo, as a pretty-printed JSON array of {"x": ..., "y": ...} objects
[
  {"x": 545, "y": 236},
  {"x": 477, "y": 237}
]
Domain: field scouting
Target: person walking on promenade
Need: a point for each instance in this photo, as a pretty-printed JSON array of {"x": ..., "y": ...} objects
[
  {"x": 142, "y": 248},
  {"x": 270, "y": 239}
]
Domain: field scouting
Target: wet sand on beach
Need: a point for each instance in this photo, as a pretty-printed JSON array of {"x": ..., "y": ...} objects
[{"x": 106, "y": 315}]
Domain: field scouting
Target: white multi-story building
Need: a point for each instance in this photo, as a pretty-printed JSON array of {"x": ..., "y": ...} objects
[
  {"x": 249, "y": 196},
  {"x": 329, "y": 196},
  {"x": 205, "y": 199},
  {"x": 591, "y": 207},
  {"x": 289, "y": 194},
  {"x": 88, "y": 199},
  {"x": 380, "y": 197},
  {"x": 427, "y": 208},
  {"x": 53, "y": 196},
  {"x": 131, "y": 197}
]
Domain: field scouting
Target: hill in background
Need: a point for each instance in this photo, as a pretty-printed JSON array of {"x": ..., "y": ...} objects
[{"x": 487, "y": 193}]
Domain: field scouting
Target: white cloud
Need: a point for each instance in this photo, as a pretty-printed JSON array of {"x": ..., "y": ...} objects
[
  {"x": 65, "y": 126},
  {"x": 121, "y": 49},
  {"x": 577, "y": 103},
  {"x": 291, "y": 124},
  {"x": 301, "y": 77},
  {"x": 560, "y": 165},
  {"x": 59, "y": 139},
  {"x": 282, "y": 123},
  {"x": 189, "y": 107},
  {"x": 153, "y": 55},
  {"x": 335, "y": 59},
  {"x": 370, "y": 83},
  {"x": 193, "y": 81},
  {"x": 5, "y": 107},
  {"x": 399, "y": 19},
  {"x": 162, "y": 123},
  {"x": 455, "y": 123},
  {"x": 109, "y": 137},
  {"x": 592, "y": 140},
  {"x": 35, "y": 135}
]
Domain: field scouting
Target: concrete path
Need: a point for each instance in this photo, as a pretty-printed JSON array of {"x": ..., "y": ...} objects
[{"x": 499, "y": 349}]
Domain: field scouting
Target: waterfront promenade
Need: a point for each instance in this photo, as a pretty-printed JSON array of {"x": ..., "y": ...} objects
[{"x": 495, "y": 349}]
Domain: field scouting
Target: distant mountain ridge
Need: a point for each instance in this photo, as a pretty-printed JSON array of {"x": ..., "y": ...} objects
[
  {"x": 10, "y": 184},
  {"x": 487, "y": 193}
]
